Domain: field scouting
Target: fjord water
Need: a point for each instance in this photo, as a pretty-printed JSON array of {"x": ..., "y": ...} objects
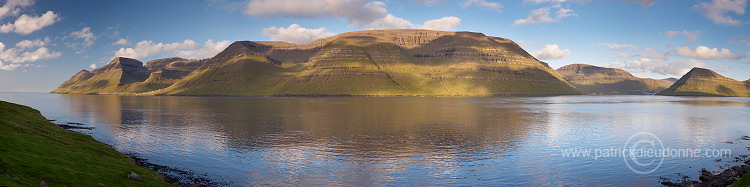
[{"x": 405, "y": 140}]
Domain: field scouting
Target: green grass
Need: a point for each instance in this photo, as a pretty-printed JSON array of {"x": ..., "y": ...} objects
[
  {"x": 34, "y": 150},
  {"x": 744, "y": 182}
]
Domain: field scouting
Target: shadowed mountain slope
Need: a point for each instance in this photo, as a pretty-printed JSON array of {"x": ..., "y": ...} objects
[
  {"x": 600, "y": 80},
  {"x": 704, "y": 82}
]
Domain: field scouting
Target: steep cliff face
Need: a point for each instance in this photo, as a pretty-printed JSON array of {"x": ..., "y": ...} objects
[
  {"x": 600, "y": 80},
  {"x": 116, "y": 76},
  {"x": 704, "y": 82},
  {"x": 372, "y": 63}
]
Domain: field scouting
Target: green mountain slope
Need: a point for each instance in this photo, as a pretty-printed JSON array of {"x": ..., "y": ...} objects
[
  {"x": 600, "y": 80},
  {"x": 704, "y": 82},
  {"x": 372, "y": 63},
  {"x": 34, "y": 150},
  {"x": 127, "y": 76}
]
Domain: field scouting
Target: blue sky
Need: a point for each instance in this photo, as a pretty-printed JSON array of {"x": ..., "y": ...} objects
[{"x": 44, "y": 42}]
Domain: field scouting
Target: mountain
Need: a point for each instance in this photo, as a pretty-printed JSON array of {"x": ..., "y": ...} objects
[
  {"x": 704, "y": 82},
  {"x": 125, "y": 76},
  {"x": 362, "y": 63},
  {"x": 114, "y": 77},
  {"x": 599, "y": 80}
]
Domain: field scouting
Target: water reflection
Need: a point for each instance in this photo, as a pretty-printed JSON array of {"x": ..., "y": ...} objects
[{"x": 412, "y": 141}]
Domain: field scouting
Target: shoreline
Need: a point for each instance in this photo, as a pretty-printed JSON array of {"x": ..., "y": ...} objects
[
  {"x": 169, "y": 174},
  {"x": 727, "y": 177},
  {"x": 36, "y": 152}
]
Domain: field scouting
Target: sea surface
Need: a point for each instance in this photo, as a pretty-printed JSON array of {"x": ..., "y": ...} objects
[{"x": 407, "y": 141}]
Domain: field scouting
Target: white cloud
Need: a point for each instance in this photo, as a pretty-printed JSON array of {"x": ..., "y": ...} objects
[
  {"x": 677, "y": 68},
  {"x": 542, "y": 15},
  {"x": 13, "y": 7},
  {"x": 85, "y": 35},
  {"x": 644, "y": 3},
  {"x": 122, "y": 41},
  {"x": 563, "y": 13},
  {"x": 690, "y": 35},
  {"x": 209, "y": 49},
  {"x": 703, "y": 52},
  {"x": 482, "y": 3},
  {"x": 92, "y": 66},
  {"x": 617, "y": 46},
  {"x": 445, "y": 23},
  {"x": 537, "y": 16},
  {"x": 551, "y": 51},
  {"x": 8, "y": 67},
  {"x": 33, "y": 56},
  {"x": 359, "y": 12},
  {"x": 16, "y": 56},
  {"x": 646, "y": 59},
  {"x": 716, "y": 10},
  {"x": 392, "y": 22},
  {"x": 636, "y": 52},
  {"x": 296, "y": 34},
  {"x": 32, "y": 44},
  {"x": 186, "y": 49},
  {"x": 26, "y": 24}
]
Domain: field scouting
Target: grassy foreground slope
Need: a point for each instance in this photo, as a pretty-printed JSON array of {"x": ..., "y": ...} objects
[
  {"x": 704, "y": 82},
  {"x": 375, "y": 63},
  {"x": 743, "y": 182},
  {"x": 599, "y": 80},
  {"x": 34, "y": 150}
]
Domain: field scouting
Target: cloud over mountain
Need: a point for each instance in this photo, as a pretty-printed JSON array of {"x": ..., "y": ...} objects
[
  {"x": 677, "y": 68},
  {"x": 703, "y": 52},
  {"x": 551, "y": 51},
  {"x": 186, "y": 49},
  {"x": 542, "y": 15},
  {"x": 359, "y": 12},
  {"x": 296, "y": 34}
]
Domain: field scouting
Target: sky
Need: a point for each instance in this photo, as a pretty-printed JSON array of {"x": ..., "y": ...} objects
[{"x": 45, "y": 42}]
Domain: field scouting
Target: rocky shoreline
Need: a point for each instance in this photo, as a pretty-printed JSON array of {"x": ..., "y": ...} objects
[
  {"x": 176, "y": 176},
  {"x": 170, "y": 175},
  {"x": 708, "y": 178}
]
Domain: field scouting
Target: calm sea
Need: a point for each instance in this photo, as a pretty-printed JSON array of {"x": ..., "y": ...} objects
[{"x": 498, "y": 141}]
